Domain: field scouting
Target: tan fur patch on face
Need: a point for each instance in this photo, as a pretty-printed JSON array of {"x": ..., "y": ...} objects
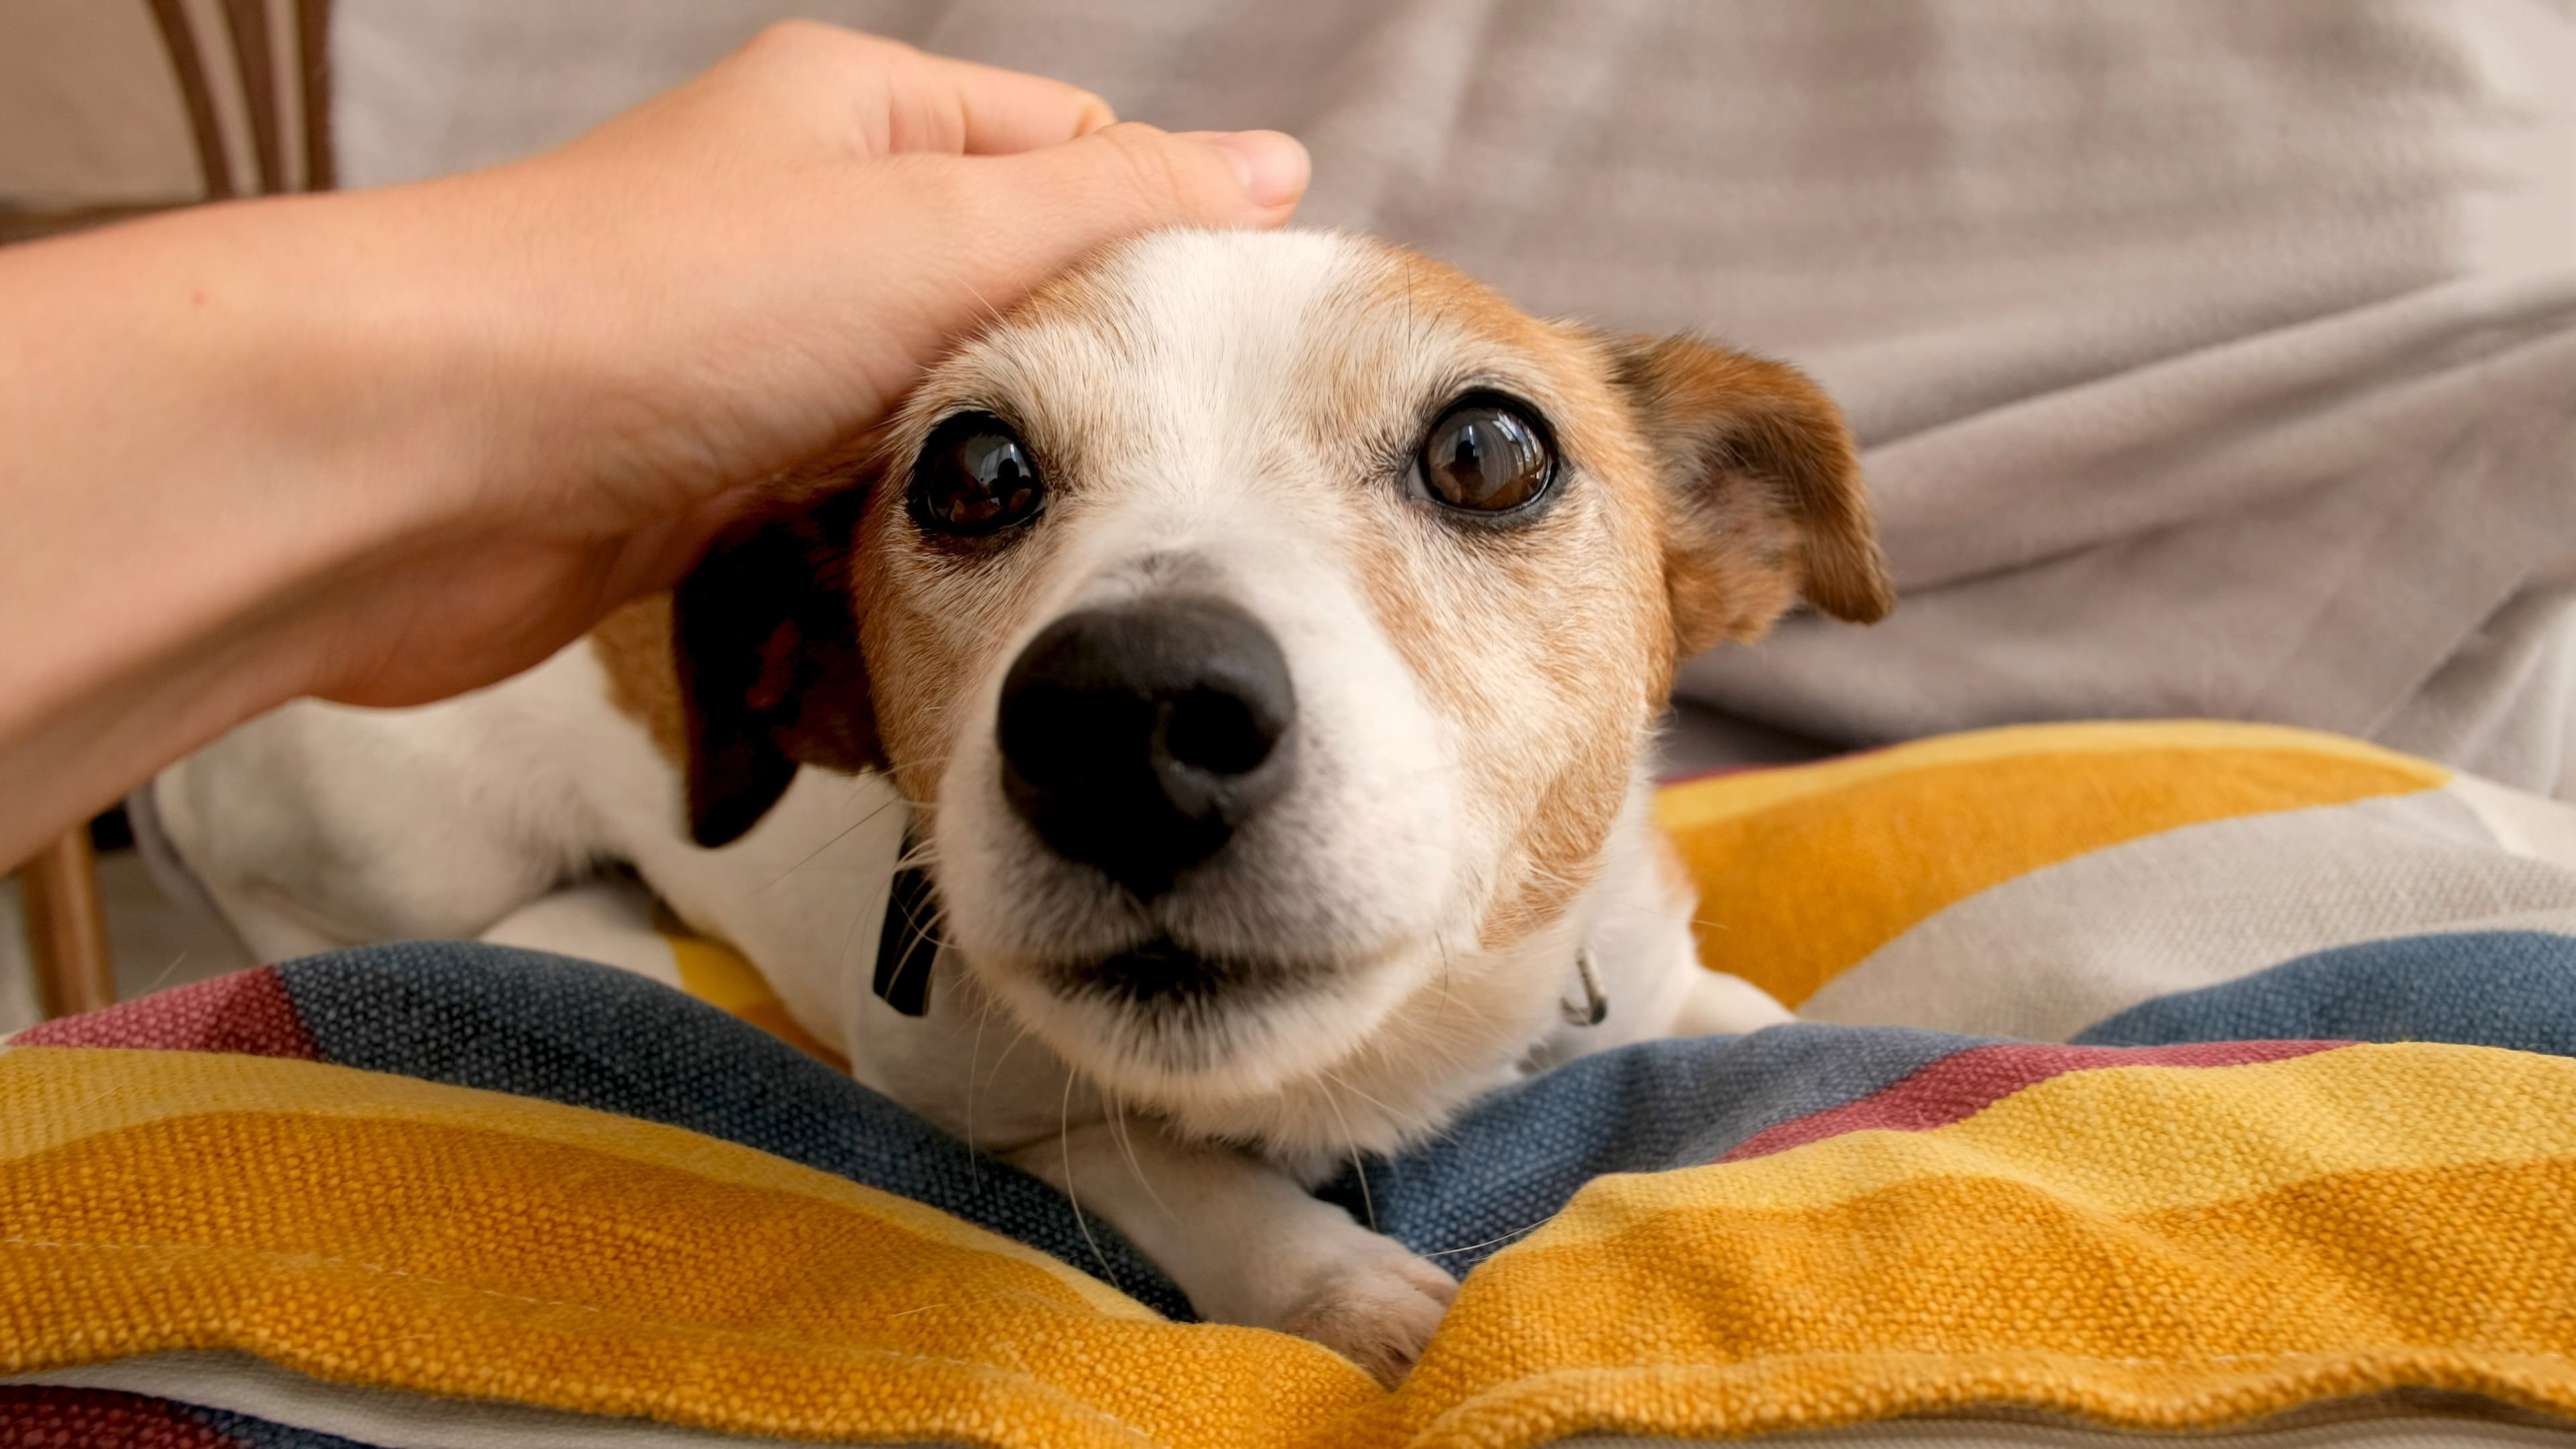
[
  {"x": 925, "y": 645},
  {"x": 633, "y": 645},
  {"x": 933, "y": 619},
  {"x": 1547, "y": 644}
]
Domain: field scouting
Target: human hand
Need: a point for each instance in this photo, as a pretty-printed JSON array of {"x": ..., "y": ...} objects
[
  {"x": 699, "y": 294},
  {"x": 386, "y": 446}
]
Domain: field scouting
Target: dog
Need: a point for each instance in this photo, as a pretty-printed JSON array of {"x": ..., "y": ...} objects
[{"x": 1241, "y": 658}]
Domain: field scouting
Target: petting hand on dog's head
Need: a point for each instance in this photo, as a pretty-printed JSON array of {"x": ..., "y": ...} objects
[{"x": 387, "y": 446}]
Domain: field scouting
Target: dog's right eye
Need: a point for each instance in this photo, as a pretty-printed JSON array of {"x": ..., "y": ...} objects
[{"x": 974, "y": 477}]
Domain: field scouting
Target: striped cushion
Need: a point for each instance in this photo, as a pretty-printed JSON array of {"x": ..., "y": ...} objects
[
  {"x": 2030, "y": 882},
  {"x": 562, "y": 1191}
]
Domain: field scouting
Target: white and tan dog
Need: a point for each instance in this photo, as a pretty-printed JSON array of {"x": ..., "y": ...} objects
[{"x": 1260, "y": 635}]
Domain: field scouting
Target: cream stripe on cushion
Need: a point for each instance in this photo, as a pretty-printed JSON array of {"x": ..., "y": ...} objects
[{"x": 2049, "y": 953}]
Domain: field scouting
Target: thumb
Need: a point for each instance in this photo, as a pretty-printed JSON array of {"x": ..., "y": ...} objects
[{"x": 1129, "y": 178}]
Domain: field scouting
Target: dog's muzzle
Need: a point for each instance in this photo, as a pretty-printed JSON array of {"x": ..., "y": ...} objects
[{"x": 1138, "y": 739}]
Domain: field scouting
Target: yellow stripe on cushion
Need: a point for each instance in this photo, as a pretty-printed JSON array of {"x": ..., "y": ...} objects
[
  {"x": 2155, "y": 1247},
  {"x": 449, "y": 1257},
  {"x": 724, "y": 978},
  {"x": 2153, "y": 1139},
  {"x": 1803, "y": 872},
  {"x": 61, "y": 1095},
  {"x": 1948, "y": 1295},
  {"x": 1691, "y": 803}
]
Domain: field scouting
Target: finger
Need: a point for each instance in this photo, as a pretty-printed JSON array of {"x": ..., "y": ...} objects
[
  {"x": 998, "y": 112},
  {"x": 1006, "y": 224},
  {"x": 1130, "y": 178},
  {"x": 882, "y": 95},
  {"x": 1272, "y": 165}
]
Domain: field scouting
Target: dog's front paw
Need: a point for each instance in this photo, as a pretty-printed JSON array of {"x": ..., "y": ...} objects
[{"x": 1378, "y": 1312}]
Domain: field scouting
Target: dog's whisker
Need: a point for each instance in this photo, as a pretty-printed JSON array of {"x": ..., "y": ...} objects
[
  {"x": 1118, "y": 1129},
  {"x": 919, "y": 852},
  {"x": 1446, "y": 973},
  {"x": 816, "y": 853},
  {"x": 935, "y": 929},
  {"x": 1345, "y": 1084},
  {"x": 1064, "y": 1154},
  {"x": 1427, "y": 772},
  {"x": 975, "y": 1054},
  {"x": 979, "y": 1301},
  {"x": 1489, "y": 1242},
  {"x": 1004, "y": 1059},
  {"x": 927, "y": 929},
  {"x": 164, "y": 975},
  {"x": 1411, "y": 1120},
  {"x": 850, "y": 938},
  {"x": 1359, "y": 1169},
  {"x": 1663, "y": 914},
  {"x": 921, "y": 762}
]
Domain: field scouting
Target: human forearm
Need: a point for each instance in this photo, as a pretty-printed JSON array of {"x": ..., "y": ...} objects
[{"x": 185, "y": 402}]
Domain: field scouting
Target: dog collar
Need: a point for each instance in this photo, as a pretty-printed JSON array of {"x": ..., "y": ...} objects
[
  {"x": 1594, "y": 1006},
  {"x": 905, "y": 950}
]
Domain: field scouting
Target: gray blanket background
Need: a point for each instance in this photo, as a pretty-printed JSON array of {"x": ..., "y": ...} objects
[{"x": 2214, "y": 357}]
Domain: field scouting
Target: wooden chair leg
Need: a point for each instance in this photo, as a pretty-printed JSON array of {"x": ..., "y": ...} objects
[{"x": 67, "y": 927}]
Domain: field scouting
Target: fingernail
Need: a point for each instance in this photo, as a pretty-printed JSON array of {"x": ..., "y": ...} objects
[{"x": 1271, "y": 165}]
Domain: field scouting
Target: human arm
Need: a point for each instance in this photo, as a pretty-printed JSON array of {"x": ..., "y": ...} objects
[{"x": 386, "y": 446}]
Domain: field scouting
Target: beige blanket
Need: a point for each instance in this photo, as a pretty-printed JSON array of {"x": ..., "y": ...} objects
[{"x": 2215, "y": 357}]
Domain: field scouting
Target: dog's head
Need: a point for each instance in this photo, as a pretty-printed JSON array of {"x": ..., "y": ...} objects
[{"x": 1265, "y": 627}]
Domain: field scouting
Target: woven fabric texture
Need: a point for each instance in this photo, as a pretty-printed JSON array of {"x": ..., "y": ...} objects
[{"x": 2329, "y": 1169}]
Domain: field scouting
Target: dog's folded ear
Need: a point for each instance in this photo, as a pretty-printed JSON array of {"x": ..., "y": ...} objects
[
  {"x": 1764, "y": 483},
  {"x": 764, "y": 635}
]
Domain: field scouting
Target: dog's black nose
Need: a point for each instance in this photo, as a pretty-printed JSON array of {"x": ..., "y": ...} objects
[{"x": 1137, "y": 739}]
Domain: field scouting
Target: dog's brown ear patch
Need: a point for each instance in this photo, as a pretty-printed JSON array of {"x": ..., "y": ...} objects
[
  {"x": 764, "y": 635},
  {"x": 1765, "y": 483}
]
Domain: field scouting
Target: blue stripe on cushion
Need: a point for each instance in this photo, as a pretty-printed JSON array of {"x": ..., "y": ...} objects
[
  {"x": 263, "y": 1434},
  {"x": 2479, "y": 988},
  {"x": 539, "y": 1025},
  {"x": 544, "y": 1026},
  {"x": 1518, "y": 1156}
]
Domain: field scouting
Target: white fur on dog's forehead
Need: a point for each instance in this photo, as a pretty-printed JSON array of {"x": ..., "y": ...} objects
[
  {"x": 1181, "y": 305},
  {"x": 1244, "y": 325}
]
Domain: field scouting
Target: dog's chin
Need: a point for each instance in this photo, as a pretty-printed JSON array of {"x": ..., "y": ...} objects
[
  {"x": 1161, "y": 1018},
  {"x": 1163, "y": 980}
]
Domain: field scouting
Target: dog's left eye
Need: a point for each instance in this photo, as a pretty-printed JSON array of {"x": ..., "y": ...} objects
[
  {"x": 974, "y": 478},
  {"x": 1486, "y": 455}
]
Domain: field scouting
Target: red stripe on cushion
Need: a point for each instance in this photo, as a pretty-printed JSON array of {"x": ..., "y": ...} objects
[
  {"x": 33, "y": 1417},
  {"x": 247, "y": 1012},
  {"x": 1965, "y": 1083}
]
